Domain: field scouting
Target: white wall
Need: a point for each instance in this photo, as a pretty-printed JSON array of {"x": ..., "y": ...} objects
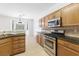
[{"x": 5, "y": 23}]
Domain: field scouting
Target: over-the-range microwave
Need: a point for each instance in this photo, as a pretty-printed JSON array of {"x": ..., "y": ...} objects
[{"x": 56, "y": 22}]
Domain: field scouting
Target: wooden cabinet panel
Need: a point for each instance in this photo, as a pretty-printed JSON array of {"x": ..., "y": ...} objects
[
  {"x": 37, "y": 38},
  {"x": 51, "y": 16},
  {"x": 70, "y": 15},
  {"x": 65, "y": 48},
  {"x": 16, "y": 51},
  {"x": 64, "y": 51},
  {"x": 40, "y": 22},
  {"x": 40, "y": 39},
  {"x": 18, "y": 45},
  {"x": 57, "y": 14},
  {"x": 46, "y": 22},
  {"x": 5, "y": 48}
]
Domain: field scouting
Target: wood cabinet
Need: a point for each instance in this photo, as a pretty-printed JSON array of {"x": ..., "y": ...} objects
[
  {"x": 57, "y": 14},
  {"x": 65, "y": 48},
  {"x": 46, "y": 22},
  {"x": 40, "y": 22},
  {"x": 18, "y": 45},
  {"x": 65, "y": 51},
  {"x": 70, "y": 15},
  {"x": 5, "y": 47},
  {"x": 51, "y": 16},
  {"x": 40, "y": 39}
]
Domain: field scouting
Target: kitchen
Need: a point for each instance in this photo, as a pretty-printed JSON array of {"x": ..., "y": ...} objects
[{"x": 53, "y": 32}]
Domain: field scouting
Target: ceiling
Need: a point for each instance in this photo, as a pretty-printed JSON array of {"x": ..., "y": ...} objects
[{"x": 26, "y": 9}]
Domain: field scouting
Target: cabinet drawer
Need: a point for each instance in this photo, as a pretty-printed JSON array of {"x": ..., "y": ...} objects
[
  {"x": 15, "y": 39},
  {"x": 18, "y": 50},
  {"x": 60, "y": 41},
  {"x": 22, "y": 41},
  {"x": 16, "y": 46},
  {"x": 22, "y": 45},
  {"x": 72, "y": 46},
  {"x": 5, "y": 40},
  {"x": 65, "y": 51},
  {"x": 15, "y": 42}
]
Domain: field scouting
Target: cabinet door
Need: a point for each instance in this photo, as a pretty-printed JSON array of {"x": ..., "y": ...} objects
[
  {"x": 70, "y": 15},
  {"x": 42, "y": 40},
  {"x": 51, "y": 16},
  {"x": 43, "y": 22},
  {"x": 5, "y": 49},
  {"x": 37, "y": 39},
  {"x": 18, "y": 45},
  {"x": 40, "y": 22},
  {"x": 46, "y": 22},
  {"x": 64, "y": 51},
  {"x": 57, "y": 14}
]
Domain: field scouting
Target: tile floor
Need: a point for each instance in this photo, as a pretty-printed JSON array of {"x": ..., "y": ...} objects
[{"x": 33, "y": 49}]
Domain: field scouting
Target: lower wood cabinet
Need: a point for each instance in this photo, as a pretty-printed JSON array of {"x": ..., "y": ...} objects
[
  {"x": 18, "y": 45},
  {"x": 40, "y": 39},
  {"x": 12, "y": 45},
  {"x": 65, "y": 50},
  {"x": 5, "y": 47}
]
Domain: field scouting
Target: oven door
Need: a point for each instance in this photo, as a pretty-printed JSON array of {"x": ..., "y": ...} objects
[{"x": 50, "y": 46}]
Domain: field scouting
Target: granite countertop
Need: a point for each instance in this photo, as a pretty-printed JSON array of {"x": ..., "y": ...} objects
[
  {"x": 3, "y": 36},
  {"x": 73, "y": 38}
]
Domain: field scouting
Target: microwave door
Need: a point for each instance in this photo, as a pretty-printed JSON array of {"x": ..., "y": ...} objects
[{"x": 51, "y": 24}]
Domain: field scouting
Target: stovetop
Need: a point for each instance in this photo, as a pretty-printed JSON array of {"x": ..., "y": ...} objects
[{"x": 55, "y": 35}]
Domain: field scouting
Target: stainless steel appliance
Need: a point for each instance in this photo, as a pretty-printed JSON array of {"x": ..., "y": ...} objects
[
  {"x": 50, "y": 45},
  {"x": 56, "y": 22}
]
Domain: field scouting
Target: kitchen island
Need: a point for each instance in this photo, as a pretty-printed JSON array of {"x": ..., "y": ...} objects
[{"x": 11, "y": 44}]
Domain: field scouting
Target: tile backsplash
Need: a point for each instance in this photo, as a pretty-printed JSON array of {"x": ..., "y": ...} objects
[{"x": 72, "y": 30}]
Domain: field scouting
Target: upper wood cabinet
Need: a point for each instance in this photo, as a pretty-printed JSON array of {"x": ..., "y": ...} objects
[
  {"x": 51, "y": 16},
  {"x": 40, "y": 22},
  {"x": 46, "y": 22},
  {"x": 43, "y": 22},
  {"x": 70, "y": 15},
  {"x": 57, "y": 14}
]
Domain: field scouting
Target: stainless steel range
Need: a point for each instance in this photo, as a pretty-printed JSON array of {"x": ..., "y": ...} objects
[{"x": 50, "y": 45}]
